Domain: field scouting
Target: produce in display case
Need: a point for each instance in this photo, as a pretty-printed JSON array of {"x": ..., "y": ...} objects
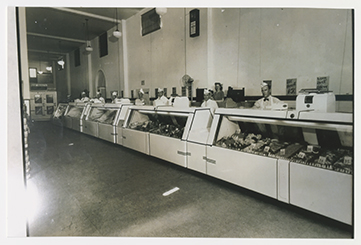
[
  {"x": 322, "y": 142},
  {"x": 158, "y": 127},
  {"x": 74, "y": 114}
]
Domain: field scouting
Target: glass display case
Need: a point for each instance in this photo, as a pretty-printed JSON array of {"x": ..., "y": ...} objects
[
  {"x": 269, "y": 153},
  {"x": 101, "y": 120},
  {"x": 151, "y": 129},
  {"x": 74, "y": 114},
  {"x": 58, "y": 116}
]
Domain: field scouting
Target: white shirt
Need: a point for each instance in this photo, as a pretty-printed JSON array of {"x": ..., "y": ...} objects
[
  {"x": 161, "y": 101},
  {"x": 211, "y": 104},
  {"x": 266, "y": 103}
]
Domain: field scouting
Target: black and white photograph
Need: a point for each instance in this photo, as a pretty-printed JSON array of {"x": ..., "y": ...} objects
[{"x": 188, "y": 122}]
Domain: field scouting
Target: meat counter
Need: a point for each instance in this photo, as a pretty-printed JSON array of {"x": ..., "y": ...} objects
[
  {"x": 306, "y": 161},
  {"x": 74, "y": 114},
  {"x": 101, "y": 120},
  {"x": 152, "y": 129}
]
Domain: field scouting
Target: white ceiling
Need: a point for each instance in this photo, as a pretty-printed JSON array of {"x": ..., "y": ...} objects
[{"x": 55, "y": 31}]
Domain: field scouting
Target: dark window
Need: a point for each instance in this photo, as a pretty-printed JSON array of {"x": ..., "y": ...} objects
[
  {"x": 103, "y": 45},
  {"x": 150, "y": 22},
  {"x": 77, "y": 57}
]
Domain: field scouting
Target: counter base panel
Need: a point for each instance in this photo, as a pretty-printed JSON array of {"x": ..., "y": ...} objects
[
  {"x": 107, "y": 132},
  {"x": 119, "y": 136},
  {"x": 170, "y": 149},
  {"x": 90, "y": 128},
  {"x": 75, "y": 123},
  {"x": 250, "y": 171},
  {"x": 283, "y": 180},
  {"x": 322, "y": 191},
  {"x": 68, "y": 122},
  {"x": 196, "y": 157},
  {"x": 136, "y": 140}
]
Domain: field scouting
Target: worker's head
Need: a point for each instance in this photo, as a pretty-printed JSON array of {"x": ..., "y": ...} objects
[
  {"x": 83, "y": 94},
  {"x": 265, "y": 89},
  {"x": 218, "y": 86},
  {"x": 114, "y": 95},
  {"x": 98, "y": 94},
  {"x": 207, "y": 94},
  {"x": 160, "y": 92},
  {"x": 141, "y": 93}
]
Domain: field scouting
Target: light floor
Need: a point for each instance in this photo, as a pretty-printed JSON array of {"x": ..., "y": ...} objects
[{"x": 90, "y": 187}]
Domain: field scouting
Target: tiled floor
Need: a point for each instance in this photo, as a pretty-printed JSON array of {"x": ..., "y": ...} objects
[{"x": 89, "y": 187}]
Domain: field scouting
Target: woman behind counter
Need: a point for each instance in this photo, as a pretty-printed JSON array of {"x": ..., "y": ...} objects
[{"x": 218, "y": 94}]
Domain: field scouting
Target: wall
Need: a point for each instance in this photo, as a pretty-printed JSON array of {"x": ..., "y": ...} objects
[
  {"x": 277, "y": 44},
  {"x": 238, "y": 47},
  {"x": 158, "y": 58}
]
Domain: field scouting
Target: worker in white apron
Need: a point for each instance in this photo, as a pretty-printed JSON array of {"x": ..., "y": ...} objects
[{"x": 267, "y": 101}]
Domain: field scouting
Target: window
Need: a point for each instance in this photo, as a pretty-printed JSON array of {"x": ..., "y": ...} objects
[
  {"x": 150, "y": 22},
  {"x": 103, "y": 45}
]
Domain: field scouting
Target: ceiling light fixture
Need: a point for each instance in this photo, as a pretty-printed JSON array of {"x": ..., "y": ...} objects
[
  {"x": 117, "y": 33},
  {"x": 88, "y": 46},
  {"x": 161, "y": 11}
]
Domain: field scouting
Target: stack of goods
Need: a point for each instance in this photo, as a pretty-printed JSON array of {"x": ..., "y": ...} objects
[
  {"x": 306, "y": 155},
  {"x": 158, "y": 128},
  {"x": 74, "y": 112},
  {"x": 95, "y": 114},
  {"x": 237, "y": 141},
  {"x": 344, "y": 163},
  {"x": 283, "y": 150},
  {"x": 107, "y": 117}
]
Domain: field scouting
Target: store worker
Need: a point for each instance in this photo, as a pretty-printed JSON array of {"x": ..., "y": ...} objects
[
  {"x": 84, "y": 97},
  {"x": 208, "y": 101},
  {"x": 161, "y": 100},
  {"x": 114, "y": 96},
  {"x": 98, "y": 98},
  {"x": 140, "y": 100},
  {"x": 218, "y": 94},
  {"x": 267, "y": 101}
]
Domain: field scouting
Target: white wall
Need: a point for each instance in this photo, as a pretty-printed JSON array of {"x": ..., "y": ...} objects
[
  {"x": 238, "y": 47},
  {"x": 277, "y": 44}
]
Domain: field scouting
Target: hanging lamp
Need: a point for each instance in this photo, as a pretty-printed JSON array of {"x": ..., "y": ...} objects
[
  {"x": 88, "y": 47},
  {"x": 161, "y": 11},
  {"x": 39, "y": 70},
  {"x": 117, "y": 33}
]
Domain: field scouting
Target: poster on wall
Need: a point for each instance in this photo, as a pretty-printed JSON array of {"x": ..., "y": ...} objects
[
  {"x": 322, "y": 83},
  {"x": 184, "y": 91},
  {"x": 291, "y": 86}
]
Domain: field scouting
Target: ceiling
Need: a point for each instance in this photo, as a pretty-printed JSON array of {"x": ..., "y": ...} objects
[{"x": 52, "y": 32}]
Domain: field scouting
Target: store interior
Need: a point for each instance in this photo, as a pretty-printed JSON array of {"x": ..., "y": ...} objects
[{"x": 183, "y": 170}]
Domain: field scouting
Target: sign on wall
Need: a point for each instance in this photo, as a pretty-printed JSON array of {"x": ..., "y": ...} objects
[
  {"x": 322, "y": 83},
  {"x": 291, "y": 86}
]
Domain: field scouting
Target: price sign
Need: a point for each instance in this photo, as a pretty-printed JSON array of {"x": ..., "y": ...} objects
[
  {"x": 283, "y": 152},
  {"x": 322, "y": 160},
  {"x": 347, "y": 160},
  {"x": 266, "y": 148},
  {"x": 301, "y": 155},
  {"x": 309, "y": 148}
]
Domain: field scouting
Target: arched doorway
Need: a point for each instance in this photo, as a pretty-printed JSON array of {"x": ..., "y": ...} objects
[{"x": 100, "y": 83}]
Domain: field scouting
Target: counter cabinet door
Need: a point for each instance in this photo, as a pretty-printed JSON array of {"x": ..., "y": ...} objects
[
  {"x": 136, "y": 140},
  {"x": 322, "y": 191},
  {"x": 250, "y": 171},
  {"x": 167, "y": 148},
  {"x": 197, "y": 157}
]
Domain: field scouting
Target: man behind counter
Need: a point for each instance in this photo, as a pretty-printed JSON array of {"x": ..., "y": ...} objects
[{"x": 267, "y": 101}]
